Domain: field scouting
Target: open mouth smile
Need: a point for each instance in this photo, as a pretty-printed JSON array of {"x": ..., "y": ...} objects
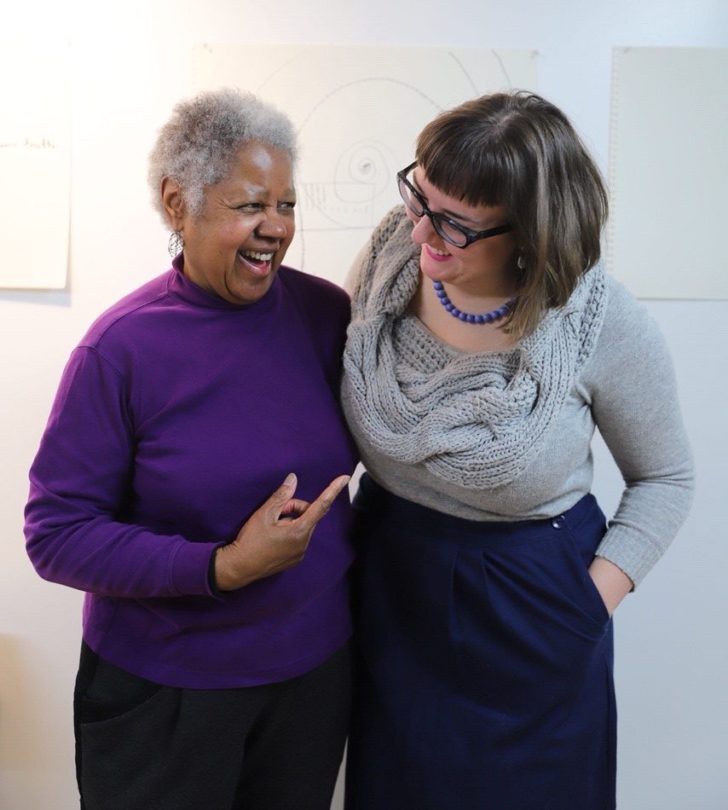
[
  {"x": 257, "y": 260},
  {"x": 437, "y": 255}
]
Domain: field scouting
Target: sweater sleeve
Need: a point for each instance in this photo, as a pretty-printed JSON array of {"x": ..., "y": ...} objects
[
  {"x": 80, "y": 483},
  {"x": 635, "y": 406}
]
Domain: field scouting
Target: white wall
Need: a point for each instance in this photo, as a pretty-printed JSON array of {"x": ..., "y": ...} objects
[{"x": 131, "y": 63}]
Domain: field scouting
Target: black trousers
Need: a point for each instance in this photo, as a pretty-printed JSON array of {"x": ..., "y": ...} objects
[{"x": 142, "y": 746}]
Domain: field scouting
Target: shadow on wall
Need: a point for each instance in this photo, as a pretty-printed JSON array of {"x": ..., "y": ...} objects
[
  {"x": 54, "y": 298},
  {"x": 17, "y": 740}
]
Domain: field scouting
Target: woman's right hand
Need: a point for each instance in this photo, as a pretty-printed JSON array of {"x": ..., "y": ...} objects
[{"x": 275, "y": 537}]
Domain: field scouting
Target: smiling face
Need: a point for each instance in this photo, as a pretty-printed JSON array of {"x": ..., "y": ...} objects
[
  {"x": 485, "y": 267},
  {"x": 235, "y": 245}
]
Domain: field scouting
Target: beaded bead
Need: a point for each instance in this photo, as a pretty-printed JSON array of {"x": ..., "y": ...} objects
[{"x": 467, "y": 317}]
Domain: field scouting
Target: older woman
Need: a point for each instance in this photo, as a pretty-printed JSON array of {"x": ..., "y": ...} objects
[
  {"x": 178, "y": 482},
  {"x": 486, "y": 345}
]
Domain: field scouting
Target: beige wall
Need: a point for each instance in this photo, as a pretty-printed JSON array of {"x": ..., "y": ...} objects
[{"x": 131, "y": 62}]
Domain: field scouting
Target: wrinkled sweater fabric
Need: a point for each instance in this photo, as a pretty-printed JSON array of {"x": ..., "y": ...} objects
[
  {"x": 506, "y": 436},
  {"x": 177, "y": 415}
]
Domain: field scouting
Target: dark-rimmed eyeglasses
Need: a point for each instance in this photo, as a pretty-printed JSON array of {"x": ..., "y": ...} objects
[{"x": 452, "y": 232}]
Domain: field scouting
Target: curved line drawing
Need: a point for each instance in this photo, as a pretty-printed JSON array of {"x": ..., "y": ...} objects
[
  {"x": 465, "y": 72},
  {"x": 278, "y": 70},
  {"x": 360, "y": 167},
  {"x": 356, "y": 114},
  {"x": 502, "y": 67},
  {"x": 350, "y": 150},
  {"x": 362, "y": 173},
  {"x": 365, "y": 81}
]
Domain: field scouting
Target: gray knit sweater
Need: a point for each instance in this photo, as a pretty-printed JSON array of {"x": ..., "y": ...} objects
[{"x": 522, "y": 434}]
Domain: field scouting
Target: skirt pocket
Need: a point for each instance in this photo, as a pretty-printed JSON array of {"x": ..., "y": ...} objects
[{"x": 526, "y": 622}]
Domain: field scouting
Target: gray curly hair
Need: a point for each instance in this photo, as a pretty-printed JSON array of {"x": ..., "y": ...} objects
[{"x": 198, "y": 143}]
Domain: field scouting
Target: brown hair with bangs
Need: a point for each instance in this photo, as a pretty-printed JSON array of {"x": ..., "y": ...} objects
[{"x": 520, "y": 151}]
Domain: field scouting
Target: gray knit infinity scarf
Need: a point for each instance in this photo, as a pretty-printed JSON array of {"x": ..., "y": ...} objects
[{"x": 472, "y": 419}]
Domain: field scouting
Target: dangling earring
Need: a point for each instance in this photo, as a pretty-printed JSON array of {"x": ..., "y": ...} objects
[
  {"x": 521, "y": 262},
  {"x": 176, "y": 243}
]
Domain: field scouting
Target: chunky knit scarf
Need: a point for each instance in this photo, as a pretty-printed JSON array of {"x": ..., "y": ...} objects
[{"x": 472, "y": 419}]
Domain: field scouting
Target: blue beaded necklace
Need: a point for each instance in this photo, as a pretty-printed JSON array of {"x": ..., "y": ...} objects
[{"x": 466, "y": 317}]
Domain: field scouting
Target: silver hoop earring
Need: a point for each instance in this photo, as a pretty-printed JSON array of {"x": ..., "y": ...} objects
[
  {"x": 176, "y": 243},
  {"x": 521, "y": 262}
]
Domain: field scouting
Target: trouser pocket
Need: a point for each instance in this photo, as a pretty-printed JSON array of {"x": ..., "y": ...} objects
[{"x": 104, "y": 691}]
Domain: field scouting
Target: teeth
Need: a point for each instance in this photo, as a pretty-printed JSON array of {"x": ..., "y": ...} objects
[
  {"x": 254, "y": 254},
  {"x": 439, "y": 252}
]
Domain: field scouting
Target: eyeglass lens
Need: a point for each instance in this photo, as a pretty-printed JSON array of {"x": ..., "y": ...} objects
[
  {"x": 409, "y": 197},
  {"x": 446, "y": 229}
]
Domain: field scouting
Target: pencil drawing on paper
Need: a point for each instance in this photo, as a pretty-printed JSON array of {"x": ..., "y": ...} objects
[{"x": 357, "y": 111}]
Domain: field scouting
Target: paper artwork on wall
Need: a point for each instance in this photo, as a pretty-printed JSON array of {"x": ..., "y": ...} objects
[
  {"x": 669, "y": 172},
  {"x": 357, "y": 110},
  {"x": 35, "y": 157}
]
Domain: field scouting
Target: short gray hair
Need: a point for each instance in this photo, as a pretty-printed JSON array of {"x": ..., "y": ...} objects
[{"x": 198, "y": 143}]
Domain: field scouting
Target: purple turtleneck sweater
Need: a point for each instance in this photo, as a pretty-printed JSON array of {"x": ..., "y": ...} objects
[{"x": 177, "y": 415}]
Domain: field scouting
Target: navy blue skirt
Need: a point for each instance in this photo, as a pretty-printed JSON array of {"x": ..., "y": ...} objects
[{"x": 485, "y": 679}]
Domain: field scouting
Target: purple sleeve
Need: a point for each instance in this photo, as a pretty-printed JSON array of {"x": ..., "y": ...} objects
[{"x": 79, "y": 485}]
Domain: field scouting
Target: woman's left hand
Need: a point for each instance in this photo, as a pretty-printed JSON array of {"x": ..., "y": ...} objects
[{"x": 611, "y": 582}]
